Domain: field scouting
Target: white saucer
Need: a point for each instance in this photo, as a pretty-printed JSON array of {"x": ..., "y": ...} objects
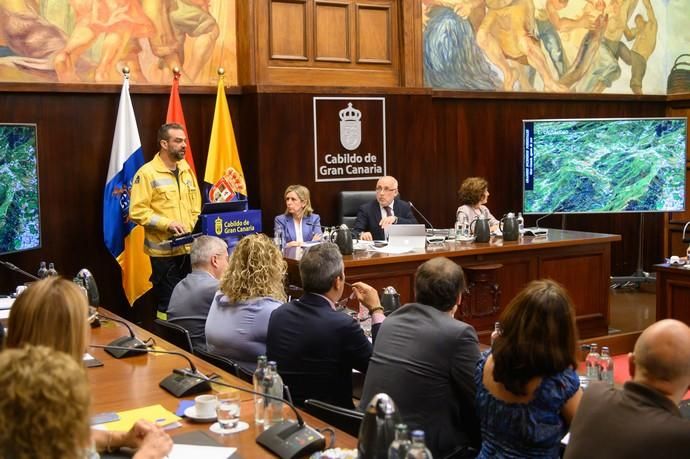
[
  {"x": 215, "y": 428},
  {"x": 190, "y": 413}
]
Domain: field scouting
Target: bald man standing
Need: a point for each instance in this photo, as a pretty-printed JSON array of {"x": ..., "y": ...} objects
[
  {"x": 642, "y": 420},
  {"x": 374, "y": 217}
]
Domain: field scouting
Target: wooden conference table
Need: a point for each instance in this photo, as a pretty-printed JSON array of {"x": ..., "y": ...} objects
[
  {"x": 672, "y": 292},
  {"x": 497, "y": 270},
  {"x": 132, "y": 382}
]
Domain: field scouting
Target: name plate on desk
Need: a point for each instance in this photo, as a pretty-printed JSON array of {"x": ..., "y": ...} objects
[{"x": 231, "y": 224}]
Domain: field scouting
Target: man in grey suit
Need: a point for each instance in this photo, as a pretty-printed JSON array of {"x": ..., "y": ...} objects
[
  {"x": 192, "y": 296},
  {"x": 425, "y": 360},
  {"x": 642, "y": 420}
]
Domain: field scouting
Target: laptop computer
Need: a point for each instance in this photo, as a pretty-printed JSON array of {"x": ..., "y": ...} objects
[{"x": 408, "y": 236}]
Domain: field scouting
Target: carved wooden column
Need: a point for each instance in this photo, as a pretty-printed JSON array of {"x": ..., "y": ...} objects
[{"x": 480, "y": 302}]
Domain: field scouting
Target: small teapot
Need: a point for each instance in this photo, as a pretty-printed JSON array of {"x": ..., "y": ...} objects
[
  {"x": 480, "y": 228},
  {"x": 509, "y": 227},
  {"x": 390, "y": 300},
  {"x": 342, "y": 237}
]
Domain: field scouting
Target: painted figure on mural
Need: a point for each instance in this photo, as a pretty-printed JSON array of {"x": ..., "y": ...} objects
[
  {"x": 644, "y": 37},
  {"x": 91, "y": 40}
]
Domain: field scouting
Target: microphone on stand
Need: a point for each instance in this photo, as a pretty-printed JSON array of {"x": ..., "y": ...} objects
[
  {"x": 124, "y": 346},
  {"x": 13, "y": 267},
  {"x": 433, "y": 237},
  {"x": 288, "y": 439},
  {"x": 419, "y": 212},
  {"x": 179, "y": 386}
]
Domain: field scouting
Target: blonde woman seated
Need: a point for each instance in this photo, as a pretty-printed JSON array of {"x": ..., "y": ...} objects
[
  {"x": 53, "y": 312},
  {"x": 44, "y": 408},
  {"x": 473, "y": 195},
  {"x": 299, "y": 223},
  {"x": 527, "y": 388},
  {"x": 251, "y": 288}
]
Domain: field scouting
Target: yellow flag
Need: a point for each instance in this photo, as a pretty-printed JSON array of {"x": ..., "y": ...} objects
[{"x": 223, "y": 168}]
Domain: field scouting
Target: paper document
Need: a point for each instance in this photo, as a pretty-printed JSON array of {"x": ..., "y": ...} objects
[
  {"x": 207, "y": 452},
  {"x": 154, "y": 413},
  {"x": 6, "y": 303}
]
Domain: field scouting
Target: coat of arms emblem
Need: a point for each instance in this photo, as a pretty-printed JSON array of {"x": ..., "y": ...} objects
[{"x": 350, "y": 127}]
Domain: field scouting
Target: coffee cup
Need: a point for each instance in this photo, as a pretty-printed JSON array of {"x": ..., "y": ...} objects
[
  {"x": 205, "y": 405},
  {"x": 674, "y": 260}
]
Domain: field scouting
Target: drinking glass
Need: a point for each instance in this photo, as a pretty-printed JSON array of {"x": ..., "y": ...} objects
[{"x": 228, "y": 409}]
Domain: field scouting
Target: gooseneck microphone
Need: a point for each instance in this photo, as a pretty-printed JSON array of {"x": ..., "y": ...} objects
[
  {"x": 15, "y": 268},
  {"x": 179, "y": 386},
  {"x": 288, "y": 439},
  {"x": 124, "y": 346},
  {"x": 419, "y": 212}
]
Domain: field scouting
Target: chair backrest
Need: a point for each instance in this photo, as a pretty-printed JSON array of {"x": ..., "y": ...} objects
[
  {"x": 218, "y": 360},
  {"x": 349, "y": 203},
  {"x": 173, "y": 333},
  {"x": 341, "y": 418}
]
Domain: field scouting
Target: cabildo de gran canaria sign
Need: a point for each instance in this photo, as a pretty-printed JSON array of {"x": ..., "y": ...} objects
[{"x": 349, "y": 138}]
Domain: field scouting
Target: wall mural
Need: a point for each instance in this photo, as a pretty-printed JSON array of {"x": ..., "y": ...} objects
[
  {"x": 90, "y": 41},
  {"x": 594, "y": 46}
]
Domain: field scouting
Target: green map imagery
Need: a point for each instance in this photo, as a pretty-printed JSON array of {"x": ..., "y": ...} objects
[
  {"x": 614, "y": 166},
  {"x": 19, "y": 204}
]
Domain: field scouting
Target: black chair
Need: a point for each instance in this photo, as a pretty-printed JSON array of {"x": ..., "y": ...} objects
[
  {"x": 349, "y": 203},
  {"x": 218, "y": 360},
  {"x": 341, "y": 418},
  {"x": 174, "y": 334}
]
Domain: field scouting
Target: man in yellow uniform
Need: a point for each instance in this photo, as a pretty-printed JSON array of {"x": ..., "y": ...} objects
[{"x": 165, "y": 200}]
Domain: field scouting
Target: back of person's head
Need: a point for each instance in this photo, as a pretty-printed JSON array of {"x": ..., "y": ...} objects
[
  {"x": 51, "y": 312},
  {"x": 320, "y": 266},
  {"x": 662, "y": 354},
  {"x": 438, "y": 283},
  {"x": 538, "y": 337},
  {"x": 44, "y": 405},
  {"x": 256, "y": 269},
  {"x": 472, "y": 190},
  {"x": 204, "y": 248},
  {"x": 302, "y": 193}
]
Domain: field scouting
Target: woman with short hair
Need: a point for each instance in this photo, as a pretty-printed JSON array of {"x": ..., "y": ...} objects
[{"x": 473, "y": 195}]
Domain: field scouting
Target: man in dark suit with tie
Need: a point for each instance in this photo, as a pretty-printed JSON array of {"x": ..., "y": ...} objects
[
  {"x": 425, "y": 360},
  {"x": 315, "y": 345},
  {"x": 375, "y": 216}
]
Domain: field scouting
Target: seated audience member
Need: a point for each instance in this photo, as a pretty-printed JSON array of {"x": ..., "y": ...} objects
[
  {"x": 315, "y": 345},
  {"x": 425, "y": 360},
  {"x": 374, "y": 217},
  {"x": 642, "y": 420},
  {"x": 192, "y": 296},
  {"x": 53, "y": 312},
  {"x": 250, "y": 290},
  {"x": 527, "y": 387},
  {"x": 299, "y": 223},
  {"x": 44, "y": 408},
  {"x": 473, "y": 195}
]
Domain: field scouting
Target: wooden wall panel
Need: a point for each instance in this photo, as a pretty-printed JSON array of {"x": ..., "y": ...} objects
[
  {"x": 288, "y": 30},
  {"x": 332, "y": 29},
  {"x": 374, "y": 34}
]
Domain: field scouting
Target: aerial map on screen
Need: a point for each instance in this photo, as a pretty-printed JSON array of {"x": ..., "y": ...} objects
[
  {"x": 19, "y": 205},
  {"x": 632, "y": 165}
]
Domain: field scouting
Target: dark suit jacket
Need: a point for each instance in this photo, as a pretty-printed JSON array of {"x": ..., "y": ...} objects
[
  {"x": 637, "y": 422},
  {"x": 425, "y": 361},
  {"x": 369, "y": 216},
  {"x": 316, "y": 349},
  {"x": 311, "y": 225}
]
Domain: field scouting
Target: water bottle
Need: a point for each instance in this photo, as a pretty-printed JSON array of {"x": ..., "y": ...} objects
[
  {"x": 401, "y": 445},
  {"x": 592, "y": 363},
  {"x": 461, "y": 227},
  {"x": 278, "y": 238},
  {"x": 418, "y": 449},
  {"x": 496, "y": 333},
  {"x": 51, "y": 269},
  {"x": 42, "y": 270},
  {"x": 606, "y": 366},
  {"x": 521, "y": 223},
  {"x": 261, "y": 364},
  {"x": 273, "y": 385}
]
